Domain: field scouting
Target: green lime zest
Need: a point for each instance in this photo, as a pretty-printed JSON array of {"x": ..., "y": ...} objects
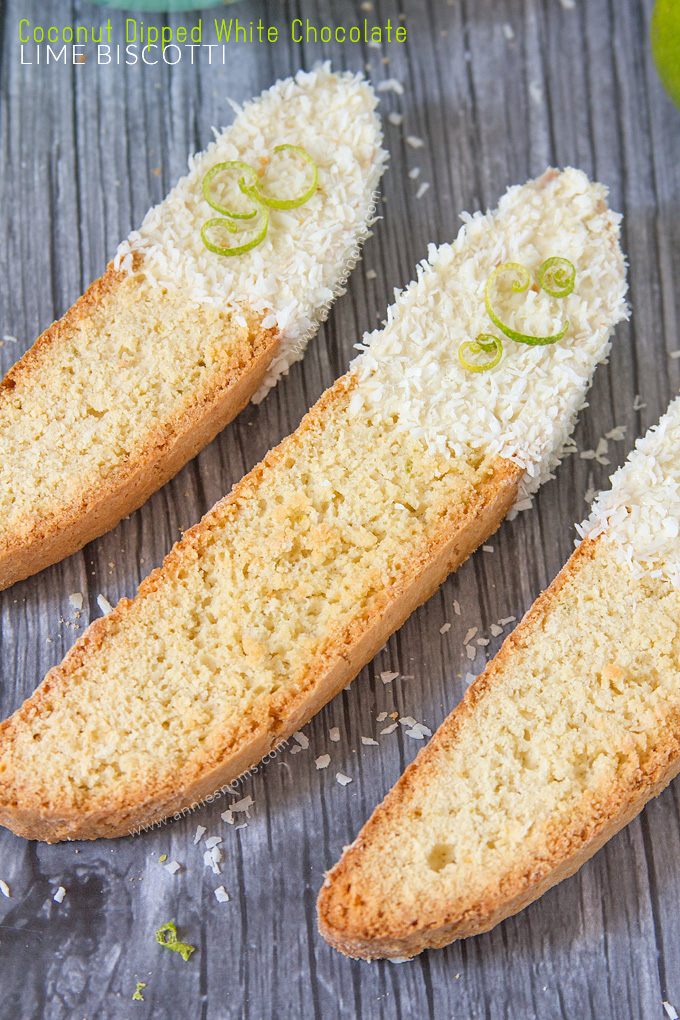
[
  {"x": 138, "y": 991},
  {"x": 293, "y": 203},
  {"x": 232, "y": 164},
  {"x": 241, "y": 249},
  {"x": 485, "y": 343},
  {"x": 520, "y": 282},
  {"x": 167, "y": 936},
  {"x": 259, "y": 198},
  {"x": 556, "y": 276}
]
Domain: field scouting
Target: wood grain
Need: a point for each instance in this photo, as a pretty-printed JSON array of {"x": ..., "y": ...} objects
[{"x": 497, "y": 89}]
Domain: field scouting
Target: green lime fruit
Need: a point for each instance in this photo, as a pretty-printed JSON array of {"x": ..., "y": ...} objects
[{"x": 665, "y": 39}]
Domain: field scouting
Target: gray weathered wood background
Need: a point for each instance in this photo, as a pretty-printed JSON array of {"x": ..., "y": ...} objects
[{"x": 498, "y": 89}]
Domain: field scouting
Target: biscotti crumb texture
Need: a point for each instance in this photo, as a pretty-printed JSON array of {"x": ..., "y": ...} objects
[{"x": 251, "y": 611}]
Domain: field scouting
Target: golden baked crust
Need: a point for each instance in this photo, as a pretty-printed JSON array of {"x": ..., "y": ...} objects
[
  {"x": 63, "y": 512},
  {"x": 333, "y": 575},
  {"x": 354, "y": 914}
]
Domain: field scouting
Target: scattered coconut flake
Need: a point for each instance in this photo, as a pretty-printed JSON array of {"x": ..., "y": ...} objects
[
  {"x": 590, "y": 494},
  {"x": 422, "y": 188},
  {"x": 536, "y": 92},
  {"x": 59, "y": 894},
  {"x": 390, "y": 729},
  {"x": 4, "y": 888},
  {"x": 495, "y": 629},
  {"x": 244, "y": 804},
  {"x": 369, "y": 740},
  {"x": 407, "y": 720},
  {"x": 445, "y": 628},
  {"x": 456, "y": 607},
  {"x": 388, "y": 677},
  {"x": 200, "y": 829},
  {"x": 469, "y": 677},
  {"x": 342, "y": 778},
  {"x": 637, "y": 403},
  {"x": 295, "y": 749},
  {"x": 414, "y": 141},
  {"x": 469, "y": 635},
  {"x": 104, "y": 604},
  {"x": 7, "y": 339},
  {"x": 76, "y": 601},
  {"x": 487, "y": 548},
  {"x": 210, "y": 862},
  {"x": 674, "y": 354},
  {"x": 371, "y": 274},
  {"x": 227, "y": 817},
  {"x": 414, "y": 173},
  {"x": 471, "y": 651},
  {"x": 568, "y": 5},
  {"x": 395, "y": 118},
  {"x": 508, "y": 31},
  {"x": 173, "y": 867},
  {"x": 302, "y": 740},
  {"x": 671, "y": 1011},
  {"x": 617, "y": 433},
  {"x": 221, "y": 894},
  {"x": 419, "y": 731},
  {"x": 213, "y": 841},
  {"x": 391, "y": 85},
  {"x": 334, "y": 733},
  {"x": 587, "y": 455},
  {"x": 381, "y": 716},
  {"x": 506, "y": 620},
  {"x": 323, "y": 761},
  {"x": 483, "y": 641},
  {"x": 600, "y": 450}
]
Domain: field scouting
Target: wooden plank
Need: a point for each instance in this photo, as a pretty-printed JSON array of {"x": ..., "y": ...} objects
[{"x": 496, "y": 89}]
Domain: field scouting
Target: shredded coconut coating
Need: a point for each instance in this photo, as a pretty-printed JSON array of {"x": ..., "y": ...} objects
[
  {"x": 640, "y": 514},
  {"x": 525, "y": 408},
  {"x": 299, "y": 268}
]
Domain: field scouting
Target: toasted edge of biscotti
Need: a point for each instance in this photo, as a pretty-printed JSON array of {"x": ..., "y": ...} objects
[
  {"x": 345, "y": 927},
  {"x": 168, "y": 447}
]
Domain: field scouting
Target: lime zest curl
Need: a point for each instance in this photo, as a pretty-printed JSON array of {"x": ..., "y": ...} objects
[
  {"x": 232, "y": 164},
  {"x": 262, "y": 201},
  {"x": 167, "y": 936},
  {"x": 556, "y": 276},
  {"x": 219, "y": 221},
  {"x": 519, "y": 284},
  {"x": 293, "y": 203},
  {"x": 486, "y": 343}
]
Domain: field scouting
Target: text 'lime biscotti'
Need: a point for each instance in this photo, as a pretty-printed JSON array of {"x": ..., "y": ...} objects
[
  {"x": 164, "y": 349},
  {"x": 291, "y": 583},
  {"x": 569, "y": 731}
]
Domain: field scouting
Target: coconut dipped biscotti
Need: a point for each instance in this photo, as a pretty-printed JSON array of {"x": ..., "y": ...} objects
[
  {"x": 568, "y": 732},
  {"x": 175, "y": 338},
  {"x": 291, "y": 583}
]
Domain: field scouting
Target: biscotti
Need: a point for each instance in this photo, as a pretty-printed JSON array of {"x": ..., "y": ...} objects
[
  {"x": 569, "y": 731},
  {"x": 174, "y": 339},
  {"x": 290, "y": 584}
]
